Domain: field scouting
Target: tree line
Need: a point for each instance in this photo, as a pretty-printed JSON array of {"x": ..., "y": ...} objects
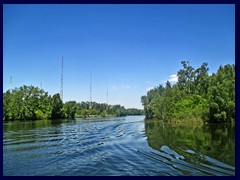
[
  {"x": 32, "y": 103},
  {"x": 197, "y": 96}
]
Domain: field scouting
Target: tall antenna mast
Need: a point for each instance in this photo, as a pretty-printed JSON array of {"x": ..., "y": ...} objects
[
  {"x": 10, "y": 82},
  {"x": 90, "y": 98},
  {"x": 107, "y": 96},
  {"x": 107, "y": 92},
  {"x": 61, "y": 92}
]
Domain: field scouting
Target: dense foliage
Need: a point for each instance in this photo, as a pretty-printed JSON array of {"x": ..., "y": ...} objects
[
  {"x": 102, "y": 109},
  {"x": 31, "y": 103},
  {"x": 196, "y": 96}
]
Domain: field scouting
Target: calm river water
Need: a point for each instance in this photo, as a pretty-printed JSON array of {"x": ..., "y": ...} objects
[{"x": 116, "y": 146}]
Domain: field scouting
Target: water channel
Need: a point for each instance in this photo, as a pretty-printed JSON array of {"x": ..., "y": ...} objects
[{"x": 117, "y": 146}]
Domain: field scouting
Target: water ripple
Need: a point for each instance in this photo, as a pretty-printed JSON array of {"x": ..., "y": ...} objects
[{"x": 117, "y": 146}]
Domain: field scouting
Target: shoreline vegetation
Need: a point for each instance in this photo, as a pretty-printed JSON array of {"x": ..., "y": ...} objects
[
  {"x": 197, "y": 97},
  {"x": 33, "y": 103}
]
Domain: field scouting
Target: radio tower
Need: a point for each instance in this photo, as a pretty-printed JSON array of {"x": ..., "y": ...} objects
[
  {"x": 107, "y": 93},
  {"x": 10, "y": 83},
  {"x": 90, "y": 98},
  {"x": 107, "y": 97},
  {"x": 61, "y": 91}
]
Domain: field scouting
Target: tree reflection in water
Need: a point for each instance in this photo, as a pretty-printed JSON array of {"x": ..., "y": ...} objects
[{"x": 194, "y": 142}]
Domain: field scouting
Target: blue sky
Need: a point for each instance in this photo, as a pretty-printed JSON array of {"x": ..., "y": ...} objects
[{"x": 132, "y": 47}]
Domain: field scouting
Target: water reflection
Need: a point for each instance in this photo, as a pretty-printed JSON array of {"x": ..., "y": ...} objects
[
  {"x": 30, "y": 125},
  {"x": 116, "y": 146},
  {"x": 193, "y": 142}
]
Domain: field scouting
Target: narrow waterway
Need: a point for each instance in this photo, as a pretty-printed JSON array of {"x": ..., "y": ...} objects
[{"x": 117, "y": 146}]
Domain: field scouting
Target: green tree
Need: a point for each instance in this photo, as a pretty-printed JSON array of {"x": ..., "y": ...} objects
[
  {"x": 196, "y": 96},
  {"x": 26, "y": 102},
  {"x": 202, "y": 82},
  {"x": 222, "y": 95},
  {"x": 70, "y": 108},
  {"x": 57, "y": 107},
  {"x": 186, "y": 77}
]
